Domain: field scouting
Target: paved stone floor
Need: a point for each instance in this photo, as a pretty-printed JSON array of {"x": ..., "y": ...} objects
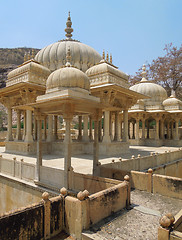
[
  {"x": 83, "y": 163},
  {"x": 139, "y": 223}
]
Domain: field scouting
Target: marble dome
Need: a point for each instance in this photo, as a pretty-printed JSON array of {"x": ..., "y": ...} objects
[
  {"x": 67, "y": 77},
  {"x": 172, "y": 102},
  {"x": 156, "y": 92},
  {"x": 53, "y": 56}
]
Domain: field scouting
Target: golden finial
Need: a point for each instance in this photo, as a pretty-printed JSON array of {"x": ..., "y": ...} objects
[
  {"x": 68, "y": 28},
  {"x": 111, "y": 58},
  {"x": 28, "y": 57},
  {"x": 33, "y": 53},
  {"x": 25, "y": 57},
  {"x": 103, "y": 54},
  {"x": 107, "y": 57}
]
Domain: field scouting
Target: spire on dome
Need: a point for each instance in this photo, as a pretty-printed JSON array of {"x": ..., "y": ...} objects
[
  {"x": 144, "y": 74},
  {"x": 68, "y": 28},
  {"x": 173, "y": 94}
]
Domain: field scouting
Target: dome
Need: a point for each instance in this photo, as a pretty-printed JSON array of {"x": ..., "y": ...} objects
[
  {"x": 172, "y": 102},
  {"x": 67, "y": 77},
  {"x": 153, "y": 90},
  {"x": 156, "y": 92},
  {"x": 54, "y": 55}
]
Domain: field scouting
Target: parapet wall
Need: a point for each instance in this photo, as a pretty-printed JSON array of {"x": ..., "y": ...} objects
[
  {"x": 147, "y": 181},
  {"x": 138, "y": 163}
]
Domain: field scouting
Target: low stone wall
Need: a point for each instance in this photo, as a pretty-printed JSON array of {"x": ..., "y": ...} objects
[
  {"x": 147, "y": 181},
  {"x": 93, "y": 184},
  {"x": 87, "y": 210},
  {"x": 39, "y": 221},
  {"x": 138, "y": 163},
  {"x": 173, "y": 169}
]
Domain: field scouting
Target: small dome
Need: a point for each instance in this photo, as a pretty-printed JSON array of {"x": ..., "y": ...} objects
[
  {"x": 153, "y": 90},
  {"x": 156, "y": 92},
  {"x": 172, "y": 102},
  {"x": 67, "y": 77},
  {"x": 54, "y": 55}
]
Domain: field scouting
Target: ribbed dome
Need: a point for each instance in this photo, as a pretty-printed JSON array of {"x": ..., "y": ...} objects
[
  {"x": 172, "y": 102},
  {"x": 67, "y": 77},
  {"x": 153, "y": 90},
  {"x": 54, "y": 55}
]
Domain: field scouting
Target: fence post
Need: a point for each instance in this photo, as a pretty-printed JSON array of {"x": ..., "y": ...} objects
[
  {"x": 47, "y": 214},
  {"x": 21, "y": 168},
  {"x": 127, "y": 181},
  {"x": 150, "y": 181},
  {"x": 14, "y": 164},
  {"x": 166, "y": 223}
]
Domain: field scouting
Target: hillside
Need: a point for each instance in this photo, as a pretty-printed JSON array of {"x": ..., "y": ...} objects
[{"x": 10, "y": 58}]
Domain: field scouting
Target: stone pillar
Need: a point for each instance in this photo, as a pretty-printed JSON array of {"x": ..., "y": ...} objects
[
  {"x": 67, "y": 151},
  {"x": 157, "y": 129},
  {"x": 45, "y": 128},
  {"x": 79, "y": 128},
  {"x": 100, "y": 130},
  {"x": 50, "y": 129},
  {"x": 39, "y": 149},
  {"x": 9, "y": 136},
  {"x": 106, "y": 137},
  {"x": 177, "y": 129},
  {"x": 172, "y": 130},
  {"x": 110, "y": 126},
  {"x": 143, "y": 128},
  {"x": 18, "y": 130},
  {"x": 55, "y": 128},
  {"x": 116, "y": 134},
  {"x": 28, "y": 137},
  {"x": 95, "y": 148},
  {"x": 24, "y": 124},
  {"x": 168, "y": 132},
  {"x": 85, "y": 129},
  {"x": 35, "y": 129},
  {"x": 162, "y": 129},
  {"x": 137, "y": 129},
  {"x": 90, "y": 128},
  {"x": 125, "y": 124}
]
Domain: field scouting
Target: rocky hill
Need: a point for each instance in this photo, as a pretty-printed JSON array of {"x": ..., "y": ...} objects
[{"x": 10, "y": 58}]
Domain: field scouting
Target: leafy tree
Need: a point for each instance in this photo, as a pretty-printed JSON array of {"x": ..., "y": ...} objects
[{"x": 166, "y": 70}]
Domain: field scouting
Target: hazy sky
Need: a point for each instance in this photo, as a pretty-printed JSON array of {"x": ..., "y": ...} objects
[{"x": 134, "y": 31}]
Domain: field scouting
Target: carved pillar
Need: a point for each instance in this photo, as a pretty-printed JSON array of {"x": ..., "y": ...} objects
[
  {"x": 116, "y": 135},
  {"x": 172, "y": 127},
  {"x": 28, "y": 137},
  {"x": 67, "y": 150},
  {"x": 110, "y": 125},
  {"x": 143, "y": 128},
  {"x": 39, "y": 148},
  {"x": 177, "y": 129},
  {"x": 80, "y": 128},
  {"x": 125, "y": 124},
  {"x": 55, "y": 128},
  {"x": 157, "y": 129},
  {"x": 35, "y": 129},
  {"x": 50, "y": 129},
  {"x": 137, "y": 129},
  {"x": 106, "y": 137},
  {"x": 85, "y": 129},
  {"x": 90, "y": 128},
  {"x": 18, "y": 130},
  {"x": 95, "y": 148},
  {"x": 162, "y": 129},
  {"x": 168, "y": 131},
  {"x": 9, "y": 130},
  {"x": 24, "y": 125}
]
